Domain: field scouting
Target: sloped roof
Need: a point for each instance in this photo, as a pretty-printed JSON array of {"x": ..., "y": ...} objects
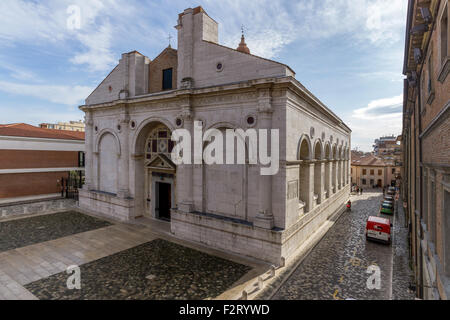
[
  {"x": 369, "y": 160},
  {"x": 27, "y": 130}
]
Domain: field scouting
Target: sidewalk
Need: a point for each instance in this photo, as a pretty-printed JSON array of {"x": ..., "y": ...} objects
[{"x": 402, "y": 274}]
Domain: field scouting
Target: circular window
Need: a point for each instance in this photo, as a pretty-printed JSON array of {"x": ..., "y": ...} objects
[
  {"x": 133, "y": 124},
  {"x": 96, "y": 129},
  {"x": 219, "y": 66},
  {"x": 250, "y": 120},
  {"x": 179, "y": 122},
  {"x": 119, "y": 127}
]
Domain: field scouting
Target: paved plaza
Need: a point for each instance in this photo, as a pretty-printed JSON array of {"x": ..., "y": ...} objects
[
  {"x": 144, "y": 261},
  {"x": 117, "y": 261}
]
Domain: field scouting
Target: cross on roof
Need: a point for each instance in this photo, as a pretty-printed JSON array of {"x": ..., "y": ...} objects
[{"x": 170, "y": 38}]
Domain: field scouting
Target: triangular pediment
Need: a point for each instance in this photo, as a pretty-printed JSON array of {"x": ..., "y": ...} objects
[{"x": 161, "y": 161}]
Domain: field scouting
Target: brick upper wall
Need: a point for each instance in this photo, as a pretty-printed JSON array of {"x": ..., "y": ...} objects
[
  {"x": 30, "y": 184},
  {"x": 24, "y": 159},
  {"x": 166, "y": 60}
]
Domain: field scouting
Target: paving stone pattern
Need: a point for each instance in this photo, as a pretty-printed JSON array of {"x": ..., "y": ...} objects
[
  {"x": 154, "y": 270},
  {"x": 337, "y": 266},
  {"x": 27, "y": 231}
]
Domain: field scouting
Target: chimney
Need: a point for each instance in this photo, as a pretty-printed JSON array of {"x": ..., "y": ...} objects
[
  {"x": 136, "y": 74},
  {"x": 194, "y": 26}
]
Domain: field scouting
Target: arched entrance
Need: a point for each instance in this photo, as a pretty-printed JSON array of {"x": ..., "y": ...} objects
[
  {"x": 155, "y": 173},
  {"x": 160, "y": 173}
]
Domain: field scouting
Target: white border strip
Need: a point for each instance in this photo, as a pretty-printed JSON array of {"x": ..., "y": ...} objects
[
  {"x": 34, "y": 170},
  {"x": 41, "y": 144}
]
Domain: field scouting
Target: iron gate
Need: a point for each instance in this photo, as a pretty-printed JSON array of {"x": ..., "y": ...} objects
[{"x": 70, "y": 185}]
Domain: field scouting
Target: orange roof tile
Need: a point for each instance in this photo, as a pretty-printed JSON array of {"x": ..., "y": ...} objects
[{"x": 26, "y": 130}]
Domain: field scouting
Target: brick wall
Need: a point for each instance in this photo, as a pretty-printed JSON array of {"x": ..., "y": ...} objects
[
  {"x": 167, "y": 59},
  {"x": 436, "y": 145},
  {"x": 23, "y": 159},
  {"x": 30, "y": 184}
]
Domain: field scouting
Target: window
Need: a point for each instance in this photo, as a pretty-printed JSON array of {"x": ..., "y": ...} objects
[
  {"x": 380, "y": 172},
  {"x": 364, "y": 172},
  {"x": 425, "y": 199},
  {"x": 364, "y": 182},
  {"x": 159, "y": 141},
  {"x": 372, "y": 172},
  {"x": 81, "y": 159},
  {"x": 393, "y": 170},
  {"x": 446, "y": 231},
  {"x": 444, "y": 35},
  {"x": 167, "y": 79},
  {"x": 432, "y": 227},
  {"x": 430, "y": 74},
  {"x": 372, "y": 182}
]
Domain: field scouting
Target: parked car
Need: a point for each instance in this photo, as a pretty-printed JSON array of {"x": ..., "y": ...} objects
[
  {"x": 389, "y": 198},
  {"x": 387, "y": 208},
  {"x": 378, "y": 229}
]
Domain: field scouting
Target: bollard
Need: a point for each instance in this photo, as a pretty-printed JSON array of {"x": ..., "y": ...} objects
[
  {"x": 272, "y": 271},
  {"x": 260, "y": 283},
  {"x": 283, "y": 262}
]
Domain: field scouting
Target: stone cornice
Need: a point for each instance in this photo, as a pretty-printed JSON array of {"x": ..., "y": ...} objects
[{"x": 262, "y": 84}]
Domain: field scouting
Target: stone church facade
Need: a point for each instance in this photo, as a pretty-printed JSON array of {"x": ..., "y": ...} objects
[{"x": 130, "y": 117}]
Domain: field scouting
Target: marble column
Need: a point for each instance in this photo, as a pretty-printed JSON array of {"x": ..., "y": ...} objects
[
  {"x": 185, "y": 172},
  {"x": 335, "y": 176},
  {"x": 124, "y": 159},
  {"x": 89, "y": 152},
  {"x": 329, "y": 178},
  {"x": 307, "y": 184},
  {"x": 264, "y": 218},
  {"x": 319, "y": 179}
]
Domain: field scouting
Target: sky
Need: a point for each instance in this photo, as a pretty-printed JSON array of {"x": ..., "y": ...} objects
[{"x": 348, "y": 53}]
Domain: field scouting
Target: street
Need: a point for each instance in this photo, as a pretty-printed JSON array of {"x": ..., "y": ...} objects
[{"x": 337, "y": 268}]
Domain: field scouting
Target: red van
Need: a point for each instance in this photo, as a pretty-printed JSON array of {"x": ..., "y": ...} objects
[{"x": 378, "y": 229}]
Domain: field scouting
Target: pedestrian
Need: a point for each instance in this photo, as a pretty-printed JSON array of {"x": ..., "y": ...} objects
[{"x": 361, "y": 191}]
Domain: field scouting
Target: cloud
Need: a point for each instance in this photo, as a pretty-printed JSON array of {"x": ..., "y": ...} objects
[
  {"x": 272, "y": 25},
  {"x": 61, "y": 94},
  {"x": 17, "y": 72},
  {"x": 380, "y": 117},
  {"x": 38, "y": 114},
  {"x": 381, "y": 109},
  {"x": 46, "y": 23},
  {"x": 378, "y": 21},
  {"x": 98, "y": 56}
]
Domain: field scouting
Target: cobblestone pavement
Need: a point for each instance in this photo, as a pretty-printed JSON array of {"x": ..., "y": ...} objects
[
  {"x": 337, "y": 267},
  {"x": 117, "y": 261},
  {"x": 27, "y": 231},
  {"x": 402, "y": 273},
  {"x": 155, "y": 270}
]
